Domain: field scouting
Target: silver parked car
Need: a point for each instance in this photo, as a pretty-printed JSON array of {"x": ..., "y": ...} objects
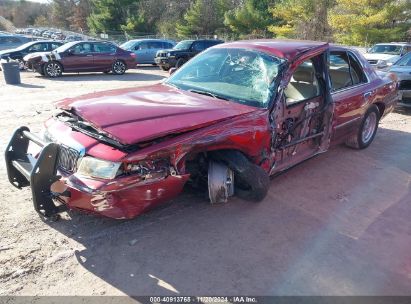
[
  {"x": 146, "y": 49},
  {"x": 402, "y": 68}
]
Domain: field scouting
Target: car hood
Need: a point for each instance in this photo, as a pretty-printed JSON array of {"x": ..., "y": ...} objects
[
  {"x": 142, "y": 114},
  {"x": 376, "y": 56}
]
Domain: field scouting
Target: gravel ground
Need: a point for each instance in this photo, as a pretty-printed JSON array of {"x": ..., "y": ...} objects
[{"x": 338, "y": 224}]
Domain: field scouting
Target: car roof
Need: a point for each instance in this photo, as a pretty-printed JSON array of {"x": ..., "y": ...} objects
[
  {"x": 288, "y": 49},
  {"x": 394, "y": 43},
  {"x": 150, "y": 39}
]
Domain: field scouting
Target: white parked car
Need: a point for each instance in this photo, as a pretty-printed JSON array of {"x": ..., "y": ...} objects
[{"x": 383, "y": 55}]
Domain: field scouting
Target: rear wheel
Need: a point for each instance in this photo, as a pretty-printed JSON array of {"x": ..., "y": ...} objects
[
  {"x": 119, "y": 67},
  {"x": 53, "y": 69},
  {"x": 367, "y": 130},
  {"x": 163, "y": 68}
]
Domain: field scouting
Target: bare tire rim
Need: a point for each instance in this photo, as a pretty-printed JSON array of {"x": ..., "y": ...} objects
[
  {"x": 53, "y": 69},
  {"x": 369, "y": 127},
  {"x": 119, "y": 67}
]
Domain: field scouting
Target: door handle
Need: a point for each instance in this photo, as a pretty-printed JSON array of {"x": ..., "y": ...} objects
[
  {"x": 89, "y": 55},
  {"x": 368, "y": 94}
]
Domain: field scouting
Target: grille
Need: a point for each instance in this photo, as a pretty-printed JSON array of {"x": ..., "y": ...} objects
[
  {"x": 373, "y": 61},
  {"x": 405, "y": 85},
  {"x": 67, "y": 159}
]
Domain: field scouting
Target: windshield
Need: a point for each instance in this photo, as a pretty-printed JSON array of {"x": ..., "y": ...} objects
[
  {"x": 404, "y": 61},
  {"x": 22, "y": 47},
  {"x": 64, "y": 47},
  {"x": 386, "y": 49},
  {"x": 239, "y": 75},
  {"x": 127, "y": 45},
  {"x": 183, "y": 45}
]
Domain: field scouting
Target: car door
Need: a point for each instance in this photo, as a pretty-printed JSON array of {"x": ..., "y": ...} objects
[
  {"x": 350, "y": 92},
  {"x": 153, "y": 47},
  {"x": 304, "y": 113},
  {"x": 104, "y": 55},
  {"x": 142, "y": 52},
  {"x": 78, "y": 58}
]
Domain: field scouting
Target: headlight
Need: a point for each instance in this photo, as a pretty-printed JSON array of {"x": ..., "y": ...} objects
[
  {"x": 94, "y": 167},
  {"x": 381, "y": 64}
]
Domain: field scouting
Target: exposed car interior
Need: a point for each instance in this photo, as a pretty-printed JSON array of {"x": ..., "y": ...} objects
[{"x": 303, "y": 84}]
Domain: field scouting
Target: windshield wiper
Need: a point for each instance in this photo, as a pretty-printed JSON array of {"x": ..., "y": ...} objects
[{"x": 208, "y": 94}]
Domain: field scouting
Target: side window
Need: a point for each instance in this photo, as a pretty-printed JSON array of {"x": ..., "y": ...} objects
[
  {"x": 104, "y": 48},
  {"x": 345, "y": 70},
  {"x": 155, "y": 45},
  {"x": 55, "y": 46},
  {"x": 357, "y": 73},
  {"x": 339, "y": 70},
  {"x": 303, "y": 84},
  {"x": 82, "y": 48},
  {"x": 142, "y": 46},
  {"x": 39, "y": 47},
  {"x": 198, "y": 46}
]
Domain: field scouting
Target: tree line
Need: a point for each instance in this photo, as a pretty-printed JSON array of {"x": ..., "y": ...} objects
[{"x": 354, "y": 22}]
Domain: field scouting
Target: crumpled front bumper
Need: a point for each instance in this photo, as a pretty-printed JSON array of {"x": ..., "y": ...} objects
[{"x": 121, "y": 198}]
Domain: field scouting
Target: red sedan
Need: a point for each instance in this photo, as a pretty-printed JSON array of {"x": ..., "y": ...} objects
[
  {"x": 82, "y": 56},
  {"x": 226, "y": 121}
]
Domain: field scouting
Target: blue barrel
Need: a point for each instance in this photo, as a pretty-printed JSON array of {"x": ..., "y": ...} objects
[{"x": 11, "y": 71}]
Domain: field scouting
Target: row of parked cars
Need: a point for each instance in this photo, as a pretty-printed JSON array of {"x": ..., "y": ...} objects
[{"x": 52, "y": 58}]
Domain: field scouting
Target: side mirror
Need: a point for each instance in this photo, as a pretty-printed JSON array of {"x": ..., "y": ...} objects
[
  {"x": 381, "y": 64},
  {"x": 70, "y": 52},
  {"x": 171, "y": 71}
]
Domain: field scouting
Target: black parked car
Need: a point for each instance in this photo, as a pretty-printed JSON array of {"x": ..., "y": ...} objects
[
  {"x": 28, "y": 48},
  {"x": 182, "y": 52}
]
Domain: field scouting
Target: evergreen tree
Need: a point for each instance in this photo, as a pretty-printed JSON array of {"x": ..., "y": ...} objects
[
  {"x": 364, "y": 22},
  {"x": 302, "y": 19},
  {"x": 204, "y": 17},
  {"x": 252, "y": 18}
]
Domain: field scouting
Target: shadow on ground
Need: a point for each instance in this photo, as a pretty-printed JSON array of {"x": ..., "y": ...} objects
[
  {"x": 333, "y": 225},
  {"x": 137, "y": 74}
]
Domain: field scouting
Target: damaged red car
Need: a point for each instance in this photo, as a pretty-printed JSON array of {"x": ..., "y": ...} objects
[{"x": 225, "y": 122}]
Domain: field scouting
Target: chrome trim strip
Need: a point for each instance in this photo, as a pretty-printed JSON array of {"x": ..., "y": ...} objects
[{"x": 347, "y": 122}]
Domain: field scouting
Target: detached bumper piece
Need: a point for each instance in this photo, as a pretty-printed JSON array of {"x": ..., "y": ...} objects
[{"x": 39, "y": 173}]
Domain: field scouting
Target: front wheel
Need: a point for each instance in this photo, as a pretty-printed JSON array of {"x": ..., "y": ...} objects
[
  {"x": 367, "y": 130},
  {"x": 53, "y": 69},
  {"x": 119, "y": 67}
]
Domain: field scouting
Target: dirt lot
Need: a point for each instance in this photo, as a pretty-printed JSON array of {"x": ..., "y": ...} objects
[{"x": 338, "y": 224}]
